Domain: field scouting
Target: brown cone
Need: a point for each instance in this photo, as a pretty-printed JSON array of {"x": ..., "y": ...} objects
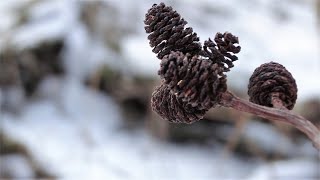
[
  {"x": 167, "y": 32},
  {"x": 193, "y": 80},
  {"x": 222, "y": 50},
  {"x": 272, "y": 78},
  {"x": 170, "y": 108}
]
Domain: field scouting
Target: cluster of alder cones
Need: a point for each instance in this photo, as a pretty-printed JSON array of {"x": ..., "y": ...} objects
[{"x": 194, "y": 74}]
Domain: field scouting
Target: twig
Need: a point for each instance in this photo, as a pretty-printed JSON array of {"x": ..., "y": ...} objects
[
  {"x": 274, "y": 114},
  {"x": 277, "y": 102}
]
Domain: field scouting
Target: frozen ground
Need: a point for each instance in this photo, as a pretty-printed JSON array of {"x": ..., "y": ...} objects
[
  {"x": 79, "y": 137},
  {"x": 75, "y": 132},
  {"x": 81, "y": 143}
]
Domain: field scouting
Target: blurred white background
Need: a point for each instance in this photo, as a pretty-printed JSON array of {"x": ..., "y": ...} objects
[{"x": 55, "y": 125}]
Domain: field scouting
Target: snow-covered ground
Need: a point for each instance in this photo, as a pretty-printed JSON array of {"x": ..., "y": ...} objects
[
  {"x": 76, "y": 133},
  {"x": 79, "y": 137},
  {"x": 84, "y": 141}
]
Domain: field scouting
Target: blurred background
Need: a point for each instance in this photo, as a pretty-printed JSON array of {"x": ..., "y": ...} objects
[{"x": 76, "y": 78}]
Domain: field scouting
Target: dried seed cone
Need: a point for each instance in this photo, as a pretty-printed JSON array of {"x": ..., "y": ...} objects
[
  {"x": 167, "y": 32},
  {"x": 170, "y": 108},
  {"x": 271, "y": 78},
  {"x": 194, "y": 80},
  {"x": 223, "y": 50}
]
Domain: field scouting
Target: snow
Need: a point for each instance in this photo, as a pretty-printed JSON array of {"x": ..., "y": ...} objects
[
  {"x": 76, "y": 139},
  {"x": 48, "y": 20},
  {"x": 87, "y": 54},
  {"x": 140, "y": 56},
  {"x": 287, "y": 170},
  {"x": 11, "y": 98},
  {"x": 18, "y": 166},
  {"x": 76, "y": 133},
  {"x": 265, "y": 137}
]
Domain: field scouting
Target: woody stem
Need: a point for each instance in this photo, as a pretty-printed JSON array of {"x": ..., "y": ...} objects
[
  {"x": 276, "y": 101},
  {"x": 274, "y": 114}
]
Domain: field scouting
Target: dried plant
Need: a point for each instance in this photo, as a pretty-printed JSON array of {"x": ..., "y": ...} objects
[
  {"x": 167, "y": 32},
  {"x": 194, "y": 76},
  {"x": 272, "y": 85},
  {"x": 171, "y": 108}
]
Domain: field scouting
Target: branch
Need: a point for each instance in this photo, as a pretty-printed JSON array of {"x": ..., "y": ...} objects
[{"x": 230, "y": 100}]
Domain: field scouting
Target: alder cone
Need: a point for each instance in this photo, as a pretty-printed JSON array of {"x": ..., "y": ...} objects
[
  {"x": 272, "y": 78},
  {"x": 222, "y": 50},
  {"x": 170, "y": 108},
  {"x": 167, "y": 32},
  {"x": 194, "y": 80}
]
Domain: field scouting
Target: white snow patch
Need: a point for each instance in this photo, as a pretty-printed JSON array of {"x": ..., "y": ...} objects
[
  {"x": 287, "y": 170},
  {"x": 16, "y": 166}
]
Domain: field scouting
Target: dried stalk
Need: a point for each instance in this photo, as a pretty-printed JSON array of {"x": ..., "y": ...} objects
[
  {"x": 274, "y": 114},
  {"x": 277, "y": 102}
]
